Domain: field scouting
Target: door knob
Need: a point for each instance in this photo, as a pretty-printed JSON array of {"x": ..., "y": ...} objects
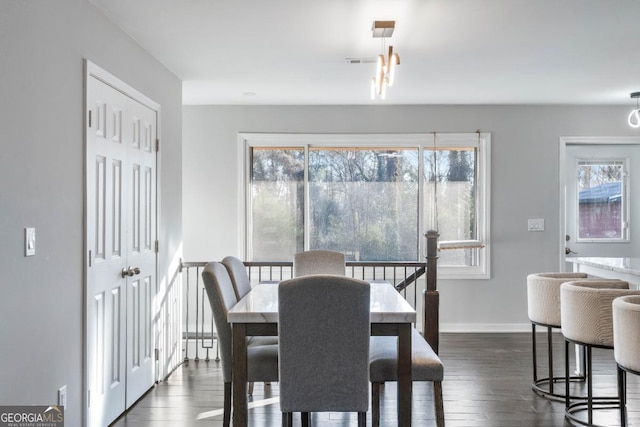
[{"x": 131, "y": 271}]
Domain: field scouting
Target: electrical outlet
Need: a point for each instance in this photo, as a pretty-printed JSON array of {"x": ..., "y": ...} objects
[{"x": 62, "y": 396}]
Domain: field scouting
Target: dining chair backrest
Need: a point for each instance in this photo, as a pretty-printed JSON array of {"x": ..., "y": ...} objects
[
  {"x": 318, "y": 262},
  {"x": 324, "y": 331},
  {"x": 222, "y": 298},
  {"x": 239, "y": 277}
]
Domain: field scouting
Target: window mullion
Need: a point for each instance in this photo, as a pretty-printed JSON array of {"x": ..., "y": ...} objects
[{"x": 307, "y": 204}]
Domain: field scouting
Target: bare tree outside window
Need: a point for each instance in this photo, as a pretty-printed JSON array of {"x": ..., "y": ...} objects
[{"x": 364, "y": 202}]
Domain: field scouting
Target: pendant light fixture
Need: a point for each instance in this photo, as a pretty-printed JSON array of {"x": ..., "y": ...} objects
[
  {"x": 634, "y": 116},
  {"x": 385, "y": 65}
]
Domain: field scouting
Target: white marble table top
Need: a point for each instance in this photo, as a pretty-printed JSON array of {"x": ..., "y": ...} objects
[
  {"x": 622, "y": 265},
  {"x": 261, "y": 305}
]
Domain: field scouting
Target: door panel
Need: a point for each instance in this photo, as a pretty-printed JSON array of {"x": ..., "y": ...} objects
[
  {"x": 121, "y": 235},
  {"x": 106, "y": 343},
  {"x": 141, "y": 252}
]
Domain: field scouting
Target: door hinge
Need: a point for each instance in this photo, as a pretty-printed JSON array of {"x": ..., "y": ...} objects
[
  {"x": 157, "y": 354},
  {"x": 90, "y": 260},
  {"x": 89, "y": 118},
  {"x": 157, "y": 246},
  {"x": 157, "y": 145},
  {"x": 88, "y": 398}
]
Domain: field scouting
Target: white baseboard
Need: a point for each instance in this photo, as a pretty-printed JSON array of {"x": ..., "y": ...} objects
[{"x": 484, "y": 327}]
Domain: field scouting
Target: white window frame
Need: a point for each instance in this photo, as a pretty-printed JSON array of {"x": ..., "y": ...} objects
[{"x": 420, "y": 141}]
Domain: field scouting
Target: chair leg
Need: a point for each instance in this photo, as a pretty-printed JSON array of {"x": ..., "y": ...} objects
[
  {"x": 375, "y": 404},
  {"x": 226, "y": 416},
  {"x": 589, "y": 387},
  {"x": 622, "y": 395},
  {"x": 287, "y": 419},
  {"x": 305, "y": 419},
  {"x": 362, "y": 419},
  {"x": 566, "y": 375},
  {"x": 550, "y": 357},
  {"x": 534, "y": 352},
  {"x": 439, "y": 403}
]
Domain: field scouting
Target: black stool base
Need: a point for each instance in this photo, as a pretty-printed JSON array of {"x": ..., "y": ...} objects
[
  {"x": 599, "y": 403},
  {"x": 544, "y": 387},
  {"x": 541, "y": 388}
]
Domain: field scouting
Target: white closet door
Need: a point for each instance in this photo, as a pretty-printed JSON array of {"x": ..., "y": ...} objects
[
  {"x": 141, "y": 255},
  {"x": 121, "y": 259}
]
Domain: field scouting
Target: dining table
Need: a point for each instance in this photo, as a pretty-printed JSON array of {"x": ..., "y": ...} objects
[{"x": 256, "y": 314}]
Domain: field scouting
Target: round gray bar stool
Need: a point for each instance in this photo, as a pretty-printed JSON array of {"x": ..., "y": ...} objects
[
  {"x": 543, "y": 301},
  {"x": 626, "y": 345},
  {"x": 587, "y": 320}
]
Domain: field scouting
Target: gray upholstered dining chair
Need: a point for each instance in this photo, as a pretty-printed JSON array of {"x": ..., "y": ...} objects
[
  {"x": 318, "y": 262},
  {"x": 239, "y": 277},
  {"x": 324, "y": 329},
  {"x": 586, "y": 311},
  {"x": 242, "y": 286},
  {"x": 262, "y": 360},
  {"x": 626, "y": 344},
  {"x": 425, "y": 366}
]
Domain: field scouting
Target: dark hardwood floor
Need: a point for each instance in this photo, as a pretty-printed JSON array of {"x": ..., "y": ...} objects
[{"x": 487, "y": 383}]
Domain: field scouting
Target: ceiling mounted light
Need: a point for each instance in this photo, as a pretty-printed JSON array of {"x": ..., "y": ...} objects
[
  {"x": 634, "y": 117},
  {"x": 385, "y": 65}
]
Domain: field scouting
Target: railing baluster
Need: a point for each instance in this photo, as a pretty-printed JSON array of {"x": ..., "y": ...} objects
[{"x": 186, "y": 299}]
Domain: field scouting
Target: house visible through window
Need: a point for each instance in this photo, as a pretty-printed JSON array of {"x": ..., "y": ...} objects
[
  {"x": 371, "y": 197},
  {"x": 601, "y": 201}
]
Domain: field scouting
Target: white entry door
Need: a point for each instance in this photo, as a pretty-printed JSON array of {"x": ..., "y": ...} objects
[
  {"x": 120, "y": 239},
  {"x": 601, "y": 209}
]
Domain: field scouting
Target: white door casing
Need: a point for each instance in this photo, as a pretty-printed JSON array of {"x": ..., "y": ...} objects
[{"x": 120, "y": 238}]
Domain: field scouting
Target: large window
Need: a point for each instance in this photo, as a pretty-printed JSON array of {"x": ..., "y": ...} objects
[{"x": 371, "y": 197}]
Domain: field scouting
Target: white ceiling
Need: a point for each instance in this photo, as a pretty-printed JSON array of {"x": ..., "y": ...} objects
[{"x": 292, "y": 52}]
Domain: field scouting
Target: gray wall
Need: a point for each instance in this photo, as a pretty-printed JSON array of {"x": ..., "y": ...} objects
[
  {"x": 42, "y": 46},
  {"x": 524, "y": 177}
]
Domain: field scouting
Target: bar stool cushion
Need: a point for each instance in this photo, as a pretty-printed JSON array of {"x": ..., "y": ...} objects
[
  {"x": 586, "y": 310},
  {"x": 626, "y": 331},
  {"x": 543, "y": 296}
]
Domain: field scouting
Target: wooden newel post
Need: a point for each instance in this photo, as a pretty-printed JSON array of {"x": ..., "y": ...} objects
[{"x": 431, "y": 322}]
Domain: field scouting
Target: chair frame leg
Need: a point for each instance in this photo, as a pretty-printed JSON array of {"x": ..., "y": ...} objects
[
  {"x": 375, "y": 404},
  {"x": 306, "y": 420},
  {"x": 550, "y": 392},
  {"x": 226, "y": 417},
  {"x": 587, "y": 403},
  {"x": 438, "y": 403},
  {"x": 287, "y": 419},
  {"x": 622, "y": 394},
  {"x": 362, "y": 419}
]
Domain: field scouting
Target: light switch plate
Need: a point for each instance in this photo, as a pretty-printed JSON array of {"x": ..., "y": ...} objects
[
  {"x": 535, "y": 225},
  {"x": 29, "y": 241}
]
